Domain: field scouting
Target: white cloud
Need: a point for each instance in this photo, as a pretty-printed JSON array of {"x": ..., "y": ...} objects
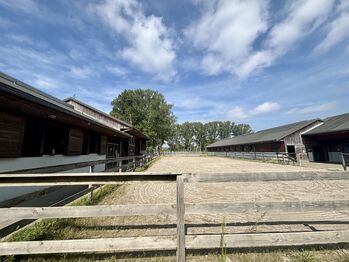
[
  {"x": 337, "y": 30},
  {"x": 117, "y": 70},
  {"x": 265, "y": 108},
  {"x": 226, "y": 32},
  {"x": 25, "y": 6},
  {"x": 191, "y": 104},
  {"x": 312, "y": 108},
  {"x": 150, "y": 45},
  {"x": 45, "y": 82},
  {"x": 240, "y": 113},
  {"x": 237, "y": 113},
  {"x": 82, "y": 72},
  {"x": 303, "y": 17}
]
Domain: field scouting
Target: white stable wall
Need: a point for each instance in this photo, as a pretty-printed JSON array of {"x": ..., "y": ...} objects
[{"x": 13, "y": 164}]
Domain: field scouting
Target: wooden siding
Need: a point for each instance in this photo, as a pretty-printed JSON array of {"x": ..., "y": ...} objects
[
  {"x": 76, "y": 138},
  {"x": 11, "y": 135},
  {"x": 92, "y": 113}
]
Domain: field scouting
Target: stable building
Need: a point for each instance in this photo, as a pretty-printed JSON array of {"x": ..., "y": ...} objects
[
  {"x": 135, "y": 145},
  {"x": 38, "y": 130},
  {"x": 281, "y": 139},
  {"x": 327, "y": 142}
]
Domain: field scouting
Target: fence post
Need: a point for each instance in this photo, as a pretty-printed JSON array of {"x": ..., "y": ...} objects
[
  {"x": 343, "y": 162},
  {"x": 89, "y": 196},
  {"x": 134, "y": 163},
  {"x": 180, "y": 220},
  {"x": 120, "y": 165}
]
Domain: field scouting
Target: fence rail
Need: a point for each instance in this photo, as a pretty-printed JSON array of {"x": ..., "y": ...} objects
[
  {"x": 282, "y": 157},
  {"x": 131, "y": 163},
  {"x": 181, "y": 241}
]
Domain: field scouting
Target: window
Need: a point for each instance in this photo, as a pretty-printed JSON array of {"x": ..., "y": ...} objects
[
  {"x": 56, "y": 138},
  {"x": 34, "y": 135}
]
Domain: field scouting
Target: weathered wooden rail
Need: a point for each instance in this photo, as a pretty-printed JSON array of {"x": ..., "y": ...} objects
[
  {"x": 181, "y": 241},
  {"x": 345, "y": 160},
  {"x": 282, "y": 157}
]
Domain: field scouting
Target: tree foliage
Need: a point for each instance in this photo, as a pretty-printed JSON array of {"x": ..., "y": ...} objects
[
  {"x": 191, "y": 136},
  {"x": 148, "y": 111}
]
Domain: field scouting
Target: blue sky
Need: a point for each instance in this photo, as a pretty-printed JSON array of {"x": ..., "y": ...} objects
[{"x": 259, "y": 62}]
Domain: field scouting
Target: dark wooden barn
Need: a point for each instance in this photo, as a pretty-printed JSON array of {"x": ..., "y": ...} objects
[
  {"x": 327, "y": 142},
  {"x": 286, "y": 139}
]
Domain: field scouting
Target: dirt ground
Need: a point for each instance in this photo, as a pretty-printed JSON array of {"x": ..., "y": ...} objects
[{"x": 156, "y": 193}]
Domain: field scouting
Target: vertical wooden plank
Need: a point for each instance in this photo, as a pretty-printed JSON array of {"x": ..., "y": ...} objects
[
  {"x": 89, "y": 196},
  {"x": 180, "y": 220},
  {"x": 343, "y": 162}
]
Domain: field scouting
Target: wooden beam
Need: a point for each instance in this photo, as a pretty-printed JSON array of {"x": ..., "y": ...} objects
[
  {"x": 265, "y": 176},
  {"x": 80, "y": 178},
  {"x": 261, "y": 240},
  {"x": 88, "y": 245},
  {"x": 169, "y": 209},
  {"x": 86, "y": 211},
  {"x": 293, "y": 206},
  {"x": 180, "y": 220},
  {"x": 266, "y": 240}
]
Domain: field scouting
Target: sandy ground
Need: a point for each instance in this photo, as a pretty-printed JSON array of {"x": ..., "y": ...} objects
[{"x": 156, "y": 193}]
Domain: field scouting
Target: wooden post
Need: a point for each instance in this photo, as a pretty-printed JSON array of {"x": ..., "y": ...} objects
[
  {"x": 134, "y": 163},
  {"x": 343, "y": 162},
  {"x": 120, "y": 166},
  {"x": 180, "y": 220},
  {"x": 89, "y": 196}
]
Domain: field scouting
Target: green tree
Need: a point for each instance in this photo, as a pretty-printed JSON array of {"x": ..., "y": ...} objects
[
  {"x": 200, "y": 135},
  {"x": 242, "y": 129},
  {"x": 148, "y": 111},
  {"x": 186, "y": 134}
]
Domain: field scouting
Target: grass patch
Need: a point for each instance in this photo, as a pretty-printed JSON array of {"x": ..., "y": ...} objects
[{"x": 59, "y": 228}]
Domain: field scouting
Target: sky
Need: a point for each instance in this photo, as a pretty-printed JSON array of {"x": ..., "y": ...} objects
[{"x": 265, "y": 63}]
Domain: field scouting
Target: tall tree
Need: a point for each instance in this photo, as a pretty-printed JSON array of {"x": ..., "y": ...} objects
[
  {"x": 200, "y": 135},
  {"x": 242, "y": 129},
  {"x": 148, "y": 111},
  {"x": 186, "y": 133}
]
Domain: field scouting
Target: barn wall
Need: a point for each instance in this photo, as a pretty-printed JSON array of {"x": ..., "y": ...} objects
[
  {"x": 96, "y": 115},
  {"x": 296, "y": 140},
  {"x": 13, "y": 164},
  {"x": 328, "y": 147}
]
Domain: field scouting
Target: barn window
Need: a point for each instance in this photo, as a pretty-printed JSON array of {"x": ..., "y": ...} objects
[
  {"x": 94, "y": 143},
  {"x": 34, "y": 135},
  {"x": 56, "y": 138}
]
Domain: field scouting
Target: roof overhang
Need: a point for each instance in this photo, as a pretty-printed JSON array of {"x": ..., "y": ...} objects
[{"x": 48, "y": 106}]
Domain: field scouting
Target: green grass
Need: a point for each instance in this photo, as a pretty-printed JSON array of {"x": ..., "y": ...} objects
[{"x": 62, "y": 228}]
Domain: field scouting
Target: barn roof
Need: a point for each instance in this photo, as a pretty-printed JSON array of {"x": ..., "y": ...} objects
[
  {"x": 128, "y": 128},
  {"x": 267, "y": 135},
  {"x": 17, "y": 88},
  {"x": 332, "y": 125}
]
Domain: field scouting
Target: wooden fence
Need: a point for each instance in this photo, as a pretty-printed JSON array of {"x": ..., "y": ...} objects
[
  {"x": 181, "y": 241},
  {"x": 121, "y": 164},
  {"x": 281, "y": 157},
  {"x": 345, "y": 160}
]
